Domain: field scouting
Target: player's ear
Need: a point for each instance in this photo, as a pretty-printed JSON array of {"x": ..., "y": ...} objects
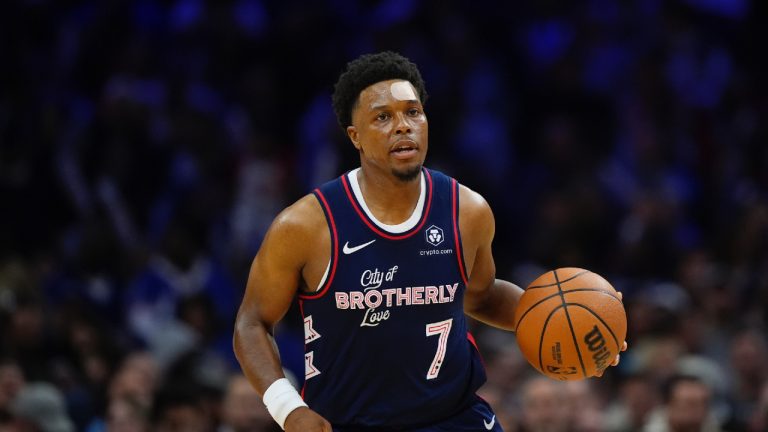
[{"x": 353, "y": 136}]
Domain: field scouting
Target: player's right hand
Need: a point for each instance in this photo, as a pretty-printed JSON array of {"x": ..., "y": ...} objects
[{"x": 305, "y": 420}]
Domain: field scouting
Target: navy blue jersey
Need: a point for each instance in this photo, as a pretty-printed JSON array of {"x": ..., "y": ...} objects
[{"x": 386, "y": 340}]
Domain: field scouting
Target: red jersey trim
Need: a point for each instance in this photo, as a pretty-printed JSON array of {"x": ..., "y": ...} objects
[
  {"x": 301, "y": 308},
  {"x": 471, "y": 340},
  {"x": 334, "y": 249},
  {"x": 456, "y": 235},
  {"x": 373, "y": 226}
]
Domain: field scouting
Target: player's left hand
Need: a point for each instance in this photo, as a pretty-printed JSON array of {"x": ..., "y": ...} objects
[
  {"x": 618, "y": 356},
  {"x": 615, "y": 361}
]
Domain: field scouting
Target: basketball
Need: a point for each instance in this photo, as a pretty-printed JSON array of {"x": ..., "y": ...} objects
[{"x": 570, "y": 324}]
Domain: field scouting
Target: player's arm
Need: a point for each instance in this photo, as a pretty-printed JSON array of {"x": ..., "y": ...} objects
[
  {"x": 490, "y": 300},
  {"x": 273, "y": 281}
]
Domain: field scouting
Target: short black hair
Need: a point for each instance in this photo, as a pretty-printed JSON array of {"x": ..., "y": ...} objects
[
  {"x": 366, "y": 70},
  {"x": 669, "y": 385}
]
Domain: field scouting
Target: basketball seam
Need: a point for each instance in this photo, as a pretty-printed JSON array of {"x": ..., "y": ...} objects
[
  {"x": 533, "y": 306},
  {"x": 613, "y": 335},
  {"x": 570, "y": 325},
  {"x": 549, "y": 297},
  {"x": 558, "y": 283},
  {"x": 591, "y": 289}
]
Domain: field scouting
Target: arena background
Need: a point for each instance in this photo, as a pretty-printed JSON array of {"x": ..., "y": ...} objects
[{"x": 146, "y": 145}]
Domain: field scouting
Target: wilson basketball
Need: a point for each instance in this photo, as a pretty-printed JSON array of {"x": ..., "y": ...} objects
[{"x": 570, "y": 324}]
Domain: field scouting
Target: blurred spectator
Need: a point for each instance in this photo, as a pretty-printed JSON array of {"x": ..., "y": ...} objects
[
  {"x": 83, "y": 368},
  {"x": 11, "y": 382},
  {"x": 243, "y": 410},
  {"x": 16, "y": 281},
  {"x": 28, "y": 338},
  {"x": 544, "y": 406},
  {"x": 507, "y": 370},
  {"x": 136, "y": 379},
  {"x": 130, "y": 395},
  {"x": 758, "y": 420},
  {"x": 197, "y": 313},
  {"x": 180, "y": 271},
  {"x": 180, "y": 408},
  {"x": 123, "y": 414},
  {"x": 127, "y": 415},
  {"x": 748, "y": 375},
  {"x": 88, "y": 278},
  {"x": 585, "y": 406},
  {"x": 638, "y": 397},
  {"x": 40, "y": 407},
  {"x": 687, "y": 407}
]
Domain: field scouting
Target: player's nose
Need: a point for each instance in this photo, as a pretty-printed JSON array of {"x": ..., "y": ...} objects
[{"x": 402, "y": 126}]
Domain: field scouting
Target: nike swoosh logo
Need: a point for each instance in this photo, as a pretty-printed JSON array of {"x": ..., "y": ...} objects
[
  {"x": 489, "y": 426},
  {"x": 350, "y": 250}
]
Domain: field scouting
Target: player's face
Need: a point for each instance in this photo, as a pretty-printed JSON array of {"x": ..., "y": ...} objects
[{"x": 389, "y": 128}]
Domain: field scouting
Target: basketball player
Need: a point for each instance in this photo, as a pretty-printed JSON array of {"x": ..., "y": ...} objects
[{"x": 386, "y": 261}]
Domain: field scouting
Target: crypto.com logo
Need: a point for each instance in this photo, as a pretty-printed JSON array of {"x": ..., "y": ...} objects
[{"x": 434, "y": 235}]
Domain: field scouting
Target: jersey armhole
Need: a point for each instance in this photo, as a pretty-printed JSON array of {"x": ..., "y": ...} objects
[
  {"x": 331, "y": 270},
  {"x": 456, "y": 231}
]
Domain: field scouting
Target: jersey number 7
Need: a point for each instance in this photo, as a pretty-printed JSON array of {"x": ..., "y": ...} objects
[{"x": 443, "y": 329}]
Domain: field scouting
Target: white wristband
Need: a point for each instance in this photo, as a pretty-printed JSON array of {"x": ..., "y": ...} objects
[{"x": 281, "y": 399}]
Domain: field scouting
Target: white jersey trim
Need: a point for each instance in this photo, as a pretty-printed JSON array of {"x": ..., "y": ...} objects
[
  {"x": 400, "y": 228},
  {"x": 325, "y": 276}
]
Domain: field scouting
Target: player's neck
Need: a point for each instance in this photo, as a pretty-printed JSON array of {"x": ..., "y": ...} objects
[{"x": 390, "y": 199}]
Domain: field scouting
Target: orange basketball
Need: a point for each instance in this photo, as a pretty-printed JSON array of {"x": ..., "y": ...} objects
[{"x": 570, "y": 324}]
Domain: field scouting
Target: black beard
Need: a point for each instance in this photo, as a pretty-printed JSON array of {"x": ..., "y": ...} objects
[{"x": 407, "y": 175}]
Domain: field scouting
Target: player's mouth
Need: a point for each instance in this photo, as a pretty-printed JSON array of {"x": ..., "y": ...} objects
[{"x": 404, "y": 149}]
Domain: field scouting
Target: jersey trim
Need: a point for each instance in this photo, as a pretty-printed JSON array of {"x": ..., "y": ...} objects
[
  {"x": 334, "y": 248},
  {"x": 456, "y": 234},
  {"x": 471, "y": 339},
  {"x": 402, "y": 227},
  {"x": 372, "y": 226},
  {"x": 301, "y": 309}
]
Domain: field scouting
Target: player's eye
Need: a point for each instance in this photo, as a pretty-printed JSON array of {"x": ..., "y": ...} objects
[
  {"x": 382, "y": 117},
  {"x": 413, "y": 112}
]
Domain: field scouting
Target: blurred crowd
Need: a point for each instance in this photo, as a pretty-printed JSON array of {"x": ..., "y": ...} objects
[{"x": 146, "y": 145}]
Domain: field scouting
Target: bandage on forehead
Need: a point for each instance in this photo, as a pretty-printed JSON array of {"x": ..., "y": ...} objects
[{"x": 402, "y": 90}]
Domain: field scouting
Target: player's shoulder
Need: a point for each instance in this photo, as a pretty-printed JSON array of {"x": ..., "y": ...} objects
[
  {"x": 302, "y": 218},
  {"x": 285, "y": 243},
  {"x": 473, "y": 207},
  {"x": 469, "y": 200},
  {"x": 476, "y": 220}
]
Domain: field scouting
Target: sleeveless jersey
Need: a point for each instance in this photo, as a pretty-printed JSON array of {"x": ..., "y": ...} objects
[{"x": 386, "y": 340}]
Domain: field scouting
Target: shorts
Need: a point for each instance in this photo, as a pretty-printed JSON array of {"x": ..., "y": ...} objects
[{"x": 478, "y": 417}]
